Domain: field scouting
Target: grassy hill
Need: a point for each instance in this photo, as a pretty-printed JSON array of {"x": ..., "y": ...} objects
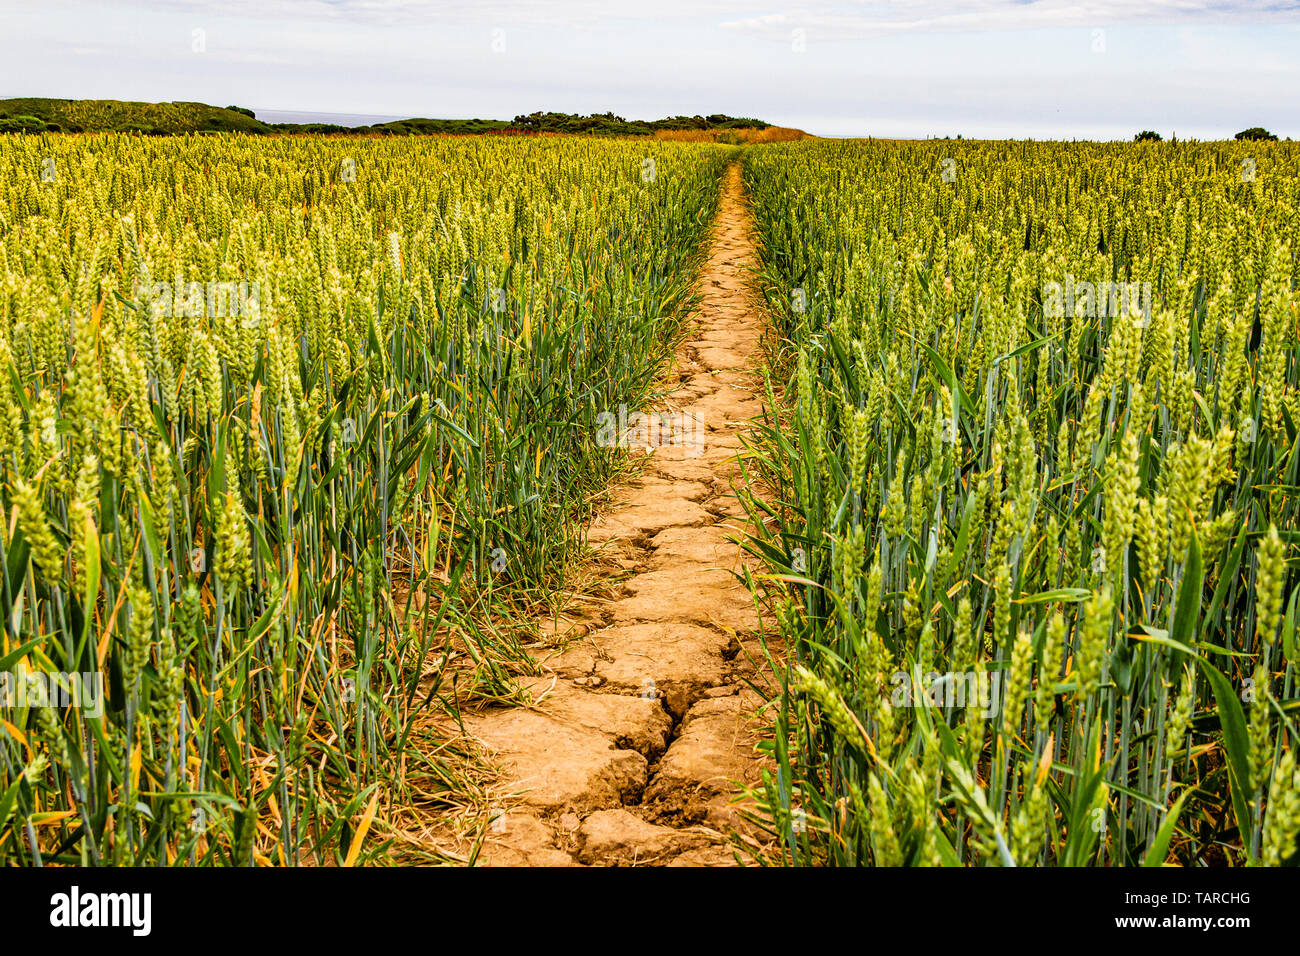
[
  {"x": 34, "y": 114},
  {"x": 39, "y": 115}
]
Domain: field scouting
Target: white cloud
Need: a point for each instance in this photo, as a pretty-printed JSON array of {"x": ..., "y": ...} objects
[
  {"x": 876, "y": 18},
  {"x": 561, "y": 13},
  {"x": 907, "y": 67}
]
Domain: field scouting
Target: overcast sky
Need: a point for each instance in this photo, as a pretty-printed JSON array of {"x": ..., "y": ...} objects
[{"x": 892, "y": 68}]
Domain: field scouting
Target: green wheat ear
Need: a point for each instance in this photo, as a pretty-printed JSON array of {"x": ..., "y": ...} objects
[
  {"x": 1111, "y": 507},
  {"x": 240, "y": 379}
]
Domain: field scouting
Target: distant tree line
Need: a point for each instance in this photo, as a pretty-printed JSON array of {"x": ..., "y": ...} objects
[
  {"x": 609, "y": 124},
  {"x": 37, "y": 115},
  {"x": 1254, "y": 133}
]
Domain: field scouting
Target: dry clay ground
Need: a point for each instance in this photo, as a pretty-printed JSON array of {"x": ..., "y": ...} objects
[{"x": 642, "y": 727}]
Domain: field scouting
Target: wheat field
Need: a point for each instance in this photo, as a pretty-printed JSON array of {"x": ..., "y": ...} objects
[
  {"x": 299, "y": 434},
  {"x": 1033, "y": 506}
]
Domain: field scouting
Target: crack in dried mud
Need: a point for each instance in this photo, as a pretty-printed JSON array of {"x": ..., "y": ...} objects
[{"x": 643, "y": 726}]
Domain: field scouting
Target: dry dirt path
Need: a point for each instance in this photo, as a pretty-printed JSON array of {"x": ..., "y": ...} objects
[{"x": 642, "y": 726}]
